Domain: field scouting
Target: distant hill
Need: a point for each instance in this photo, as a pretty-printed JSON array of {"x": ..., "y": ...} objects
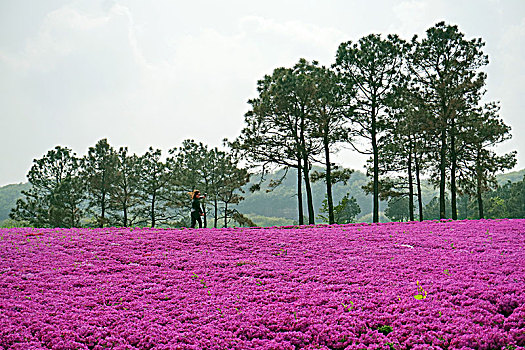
[
  {"x": 282, "y": 201},
  {"x": 279, "y": 207},
  {"x": 279, "y": 203},
  {"x": 514, "y": 176},
  {"x": 9, "y": 194}
]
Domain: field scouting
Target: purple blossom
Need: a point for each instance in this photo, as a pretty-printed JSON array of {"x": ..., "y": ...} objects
[{"x": 435, "y": 284}]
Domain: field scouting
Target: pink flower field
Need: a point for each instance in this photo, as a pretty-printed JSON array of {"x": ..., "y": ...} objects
[{"x": 430, "y": 285}]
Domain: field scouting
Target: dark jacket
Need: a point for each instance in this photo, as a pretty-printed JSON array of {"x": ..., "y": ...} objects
[{"x": 196, "y": 205}]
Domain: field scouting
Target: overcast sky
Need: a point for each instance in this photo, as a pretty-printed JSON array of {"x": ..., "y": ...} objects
[{"x": 153, "y": 73}]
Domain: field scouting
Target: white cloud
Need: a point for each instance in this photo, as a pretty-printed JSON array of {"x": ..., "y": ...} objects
[
  {"x": 513, "y": 53},
  {"x": 143, "y": 74},
  {"x": 215, "y": 73},
  {"x": 509, "y": 60},
  {"x": 411, "y": 14},
  {"x": 68, "y": 30},
  {"x": 62, "y": 31},
  {"x": 415, "y": 17},
  {"x": 293, "y": 31}
]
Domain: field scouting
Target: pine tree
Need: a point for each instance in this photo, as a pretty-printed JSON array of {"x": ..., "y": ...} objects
[
  {"x": 56, "y": 191},
  {"x": 99, "y": 173},
  {"x": 154, "y": 181},
  {"x": 279, "y": 127},
  {"x": 125, "y": 199},
  {"x": 480, "y": 164},
  {"x": 446, "y": 67},
  {"x": 373, "y": 65},
  {"x": 332, "y": 104}
]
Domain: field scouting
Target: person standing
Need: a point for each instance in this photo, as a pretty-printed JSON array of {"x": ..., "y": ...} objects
[{"x": 196, "y": 210}]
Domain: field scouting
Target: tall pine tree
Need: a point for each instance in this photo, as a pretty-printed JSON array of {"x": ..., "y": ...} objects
[
  {"x": 56, "y": 191},
  {"x": 99, "y": 171},
  {"x": 373, "y": 65},
  {"x": 446, "y": 68}
]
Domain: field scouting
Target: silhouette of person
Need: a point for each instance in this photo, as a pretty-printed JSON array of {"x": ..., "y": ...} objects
[{"x": 196, "y": 210}]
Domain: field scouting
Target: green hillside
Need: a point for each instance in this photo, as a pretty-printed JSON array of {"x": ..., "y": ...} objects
[
  {"x": 279, "y": 206},
  {"x": 513, "y": 176},
  {"x": 282, "y": 201},
  {"x": 9, "y": 194}
]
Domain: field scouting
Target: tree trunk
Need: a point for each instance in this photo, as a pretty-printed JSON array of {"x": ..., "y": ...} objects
[
  {"x": 453, "y": 161},
  {"x": 125, "y": 206},
  {"x": 153, "y": 210},
  {"x": 375, "y": 152},
  {"x": 479, "y": 175},
  {"x": 125, "y": 216},
  {"x": 306, "y": 171},
  {"x": 442, "y": 172},
  {"x": 215, "y": 213},
  {"x": 225, "y": 214},
  {"x": 466, "y": 206},
  {"x": 329, "y": 199},
  {"x": 306, "y": 168},
  {"x": 480, "y": 199},
  {"x": 103, "y": 200},
  {"x": 309, "y": 199},
  {"x": 418, "y": 180},
  {"x": 410, "y": 187},
  {"x": 102, "y": 208},
  {"x": 72, "y": 214},
  {"x": 124, "y": 188},
  {"x": 300, "y": 191}
]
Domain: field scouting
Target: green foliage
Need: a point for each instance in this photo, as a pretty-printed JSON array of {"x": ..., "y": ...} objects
[
  {"x": 385, "y": 329},
  {"x": 507, "y": 201},
  {"x": 431, "y": 210},
  {"x": 56, "y": 191},
  {"x": 397, "y": 209},
  {"x": 99, "y": 171},
  {"x": 214, "y": 172},
  {"x": 415, "y": 108},
  {"x": 421, "y": 293},
  {"x": 344, "y": 212},
  {"x": 446, "y": 71},
  {"x": 369, "y": 218},
  {"x": 228, "y": 189},
  {"x": 373, "y": 66},
  {"x": 155, "y": 178},
  {"x": 240, "y": 219},
  {"x": 299, "y": 113},
  {"x": 277, "y": 208},
  {"x": 485, "y": 130},
  {"x": 125, "y": 198},
  {"x": 123, "y": 190},
  {"x": 10, "y": 223},
  {"x": 513, "y": 176}
]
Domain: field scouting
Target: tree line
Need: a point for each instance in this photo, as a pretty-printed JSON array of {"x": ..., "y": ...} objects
[
  {"x": 415, "y": 107},
  {"x": 113, "y": 187},
  {"x": 507, "y": 200}
]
